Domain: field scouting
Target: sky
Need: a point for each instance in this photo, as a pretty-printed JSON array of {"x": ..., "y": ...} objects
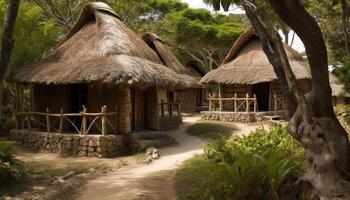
[{"x": 297, "y": 44}]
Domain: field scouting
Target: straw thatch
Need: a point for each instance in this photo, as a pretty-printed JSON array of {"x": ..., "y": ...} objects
[
  {"x": 101, "y": 48},
  {"x": 247, "y": 63},
  {"x": 337, "y": 87},
  {"x": 168, "y": 58},
  {"x": 197, "y": 69}
]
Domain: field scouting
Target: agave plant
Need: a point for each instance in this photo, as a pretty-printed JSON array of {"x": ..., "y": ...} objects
[{"x": 9, "y": 165}]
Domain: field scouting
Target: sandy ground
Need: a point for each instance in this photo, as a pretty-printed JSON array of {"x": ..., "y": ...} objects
[{"x": 154, "y": 181}]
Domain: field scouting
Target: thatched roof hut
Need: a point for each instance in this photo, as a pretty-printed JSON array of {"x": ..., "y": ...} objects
[
  {"x": 247, "y": 63},
  {"x": 168, "y": 58},
  {"x": 100, "y": 48},
  {"x": 196, "y": 67}
]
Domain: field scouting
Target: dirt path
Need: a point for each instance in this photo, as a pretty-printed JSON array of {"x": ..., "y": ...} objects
[{"x": 154, "y": 181}]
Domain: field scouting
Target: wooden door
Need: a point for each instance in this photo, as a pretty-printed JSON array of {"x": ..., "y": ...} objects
[{"x": 138, "y": 109}]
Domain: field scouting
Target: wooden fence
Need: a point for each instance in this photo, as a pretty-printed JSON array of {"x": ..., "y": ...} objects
[
  {"x": 167, "y": 109},
  {"x": 88, "y": 120},
  {"x": 243, "y": 104}
]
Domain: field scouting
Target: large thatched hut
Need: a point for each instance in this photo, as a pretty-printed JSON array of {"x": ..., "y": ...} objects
[
  {"x": 246, "y": 71},
  {"x": 190, "y": 97},
  {"x": 102, "y": 62}
]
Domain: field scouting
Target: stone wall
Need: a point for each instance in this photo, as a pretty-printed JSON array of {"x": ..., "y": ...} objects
[
  {"x": 170, "y": 122},
  {"x": 70, "y": 144},
  {"x": 232, "y": 116}
]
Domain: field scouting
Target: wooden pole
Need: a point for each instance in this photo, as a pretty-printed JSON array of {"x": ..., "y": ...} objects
[
  {"x": 235, "y": 102},
  {"x": 29, "y": 126},
  {"x": 16, "y": 122},
  {"x": 170, "y": 106},
  {"x": 48, "y": 125},
  {"x": 162, "y": 107},
  {"x": 255, "y": 103},
  {"x": 209, "y": 103},
  {"x": 275, "y": 102},
  {"x": 116, "y": 119},
  {"x": 104, "y": 120},
  {"x": 247, "y": 102},
  {"x": 61, "y": 121},
  {"x": 84, "y": 121},
  {"x": 220, "y": 101},
  {"x": 178, "y": 108}
]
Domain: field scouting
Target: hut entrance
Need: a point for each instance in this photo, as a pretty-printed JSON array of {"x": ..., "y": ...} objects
[
  {"x": 262, "y": 91},
  {"x": 139, "y": 109},
  {"x": 78, "y": 97}
]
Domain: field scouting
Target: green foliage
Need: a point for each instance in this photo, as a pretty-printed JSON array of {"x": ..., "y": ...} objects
[
  {"x": 10, "y": 167},
  {"x": 7, "y": 121},
  {"x": 33, "y": 35},
  {"x": 259, "y": 166},
  {"x": 344, "y": 75},
  {"x": 211, "y": 130}
]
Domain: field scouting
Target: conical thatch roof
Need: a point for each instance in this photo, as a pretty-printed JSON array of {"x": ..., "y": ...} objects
[
  {"x": 247, "y": 63},
  {"x": 100, "y": 48},
  {"x": 168, "y": 58},
  {"x": 197, "y": 69}
]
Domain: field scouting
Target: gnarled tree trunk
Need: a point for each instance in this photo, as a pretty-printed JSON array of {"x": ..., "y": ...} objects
[{"x": 313, "y": 122}]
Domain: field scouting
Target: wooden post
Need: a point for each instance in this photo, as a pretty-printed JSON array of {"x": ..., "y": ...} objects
[
  {"x": 235, "y": 102},
  {"x": 255, "y": 103},
  {"x": 275, "y": 102},
  {"x": 61, "y": 121},
  {"x": 116, "y": 119},
  {"x": 209, "y": 103},
  {"x": 83, "y": 121},
  {"x": 220, "y": 101},
  {"x": 170, "y": 106},
  {"x": 162, "y": 107},
  {"x": 48, "y": 125},
  {"x": 104, "y": 120},
  {"x": 247, "y": 102},
  {"x": 16, "y": 122},
  {"x": 178, "y": 108},
  {"x": 29, "y": 126}
]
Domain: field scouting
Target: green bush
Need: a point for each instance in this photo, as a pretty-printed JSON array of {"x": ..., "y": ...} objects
[
  {"x": 10, "y": 167},
  {"x": 7, "y": 121},
  {"x": 259, "y": 166},
  {"x": 211, "y": 130}
]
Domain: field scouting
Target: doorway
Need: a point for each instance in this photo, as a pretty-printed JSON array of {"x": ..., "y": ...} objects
[
  {"x": 139, "y": 109},
  {"x": 262, "y": 92},
  {"x": 79, "y": 97}
]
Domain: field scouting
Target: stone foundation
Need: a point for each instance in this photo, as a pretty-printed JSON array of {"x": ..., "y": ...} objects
[
  {"x": 70, "y": 144},
  {"x": 170, "y": 122},
  {"x": 232, "y": 116}
]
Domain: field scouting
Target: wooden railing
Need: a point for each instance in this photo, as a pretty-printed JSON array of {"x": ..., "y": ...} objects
[
  {"x": 278, "y": 102},
  {"x": 167, "y": 109},
  {"x": 88, "y": 120},
  {"x": 241, "y": 104}
]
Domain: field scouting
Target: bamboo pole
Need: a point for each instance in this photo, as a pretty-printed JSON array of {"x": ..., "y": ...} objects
[
  {"x": 162, "y": 107},
  {"x": 255, "y": 103},
  {"x": 209, "y": 103},
  {"x": 247, "y": 102},
  {"x": 104, "y": 120},
  {"x": 29, "y": 126},
  {"x": 116, "y": 119},
  {"x": 48, "y": 125},
  {"x": 275, "y": 102},
  {"x": 235, "y": 102},
  {"x": 84, "y": 121},
  {"x": 61, "y": 121}
]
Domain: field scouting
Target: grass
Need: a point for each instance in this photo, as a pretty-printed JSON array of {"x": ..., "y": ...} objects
[
  {"x": 7, "y": 143},
  {"x": 196, "y": 176},
  {"x": 54, "y": 170},
  {"x": 211, "y": 130}
]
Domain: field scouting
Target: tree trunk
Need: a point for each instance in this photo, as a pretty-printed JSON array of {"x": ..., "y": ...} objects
[
  {"x": 345, "y": 16},
  {"x": 314, "y": 124},
  {"x": 7, "y": 40}
]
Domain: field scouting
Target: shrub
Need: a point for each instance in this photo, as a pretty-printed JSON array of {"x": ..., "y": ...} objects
[
  {"x": 7, "y": 121},
  {"x": 212, "y": 130},
  {"x": 10, "y": 167},
  {"x": 259, "y": 166}
]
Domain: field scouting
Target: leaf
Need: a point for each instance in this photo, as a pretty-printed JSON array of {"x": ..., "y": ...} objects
[{"x": 216, "y": 4}]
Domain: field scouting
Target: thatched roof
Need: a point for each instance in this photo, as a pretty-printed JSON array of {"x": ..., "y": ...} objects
[
  {"x": 168, "y": 58},
  {"x": 337, "y": 87},
  {"x": 247, "y": 63},
  {"x": 196, "y": 67},
  {"x": 100, "y": 48}
]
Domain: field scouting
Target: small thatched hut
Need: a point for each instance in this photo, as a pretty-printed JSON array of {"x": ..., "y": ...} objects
[
  {"x": 191, "y": 97},
  {"x": 246, "y": 70},
  {"x": 339, "y": 95},
  {"x": 102, "y": 62}
]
